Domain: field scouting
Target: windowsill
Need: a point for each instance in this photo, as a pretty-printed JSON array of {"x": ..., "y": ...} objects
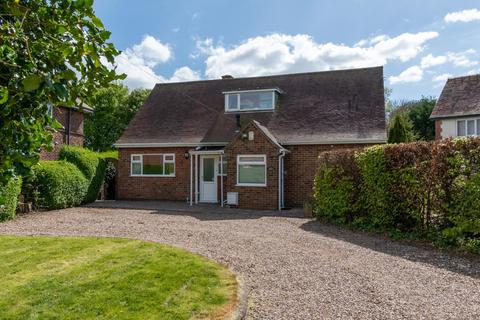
[
  {"x": 250, "y": 185},
  {"x": 153, "y": 175},
  {"x": 250, "y": 110}
]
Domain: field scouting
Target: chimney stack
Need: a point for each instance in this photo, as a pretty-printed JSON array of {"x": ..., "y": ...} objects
[{"x": 227, "y": 76}]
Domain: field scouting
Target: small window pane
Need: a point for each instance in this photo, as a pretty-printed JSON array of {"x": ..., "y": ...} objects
[
  {"x": 136, "y": 168},
  {"x": 470, "y": 127},
  {"x": 478, "y": 127},
  {"x": 169, "y": 157},
  {"x": 153, "y": 164},
  {"x": 136, "y": 158},
  {"x": 256, "y": 100},
  {"x": 222, "y": 168},
  {"x": 169, "y": 168},
  {"x": 251, "y": 159},
  {"x": 461, "y": 128},
  {"x": 232, "y": 101},
  {"x": 208, "y": 169},
  {"x": 254, "y": 174}
]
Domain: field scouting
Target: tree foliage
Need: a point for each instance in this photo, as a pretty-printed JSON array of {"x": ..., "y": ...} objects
[
  {"x": 400, "y": 129},
  {"x": 114, "y": 107},
  {"x": 51, "y": 52},
  {"x": 417, "y": 114}
]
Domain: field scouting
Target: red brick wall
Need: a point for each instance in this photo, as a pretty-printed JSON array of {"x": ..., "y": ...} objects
[
  {"x": 157, "y": 188},
  {"x": 300, "y": 168},
  {"x": 254, "y": 197},
  {"x": 438, "y": 129},
  {"x": 61, "y": 137}
]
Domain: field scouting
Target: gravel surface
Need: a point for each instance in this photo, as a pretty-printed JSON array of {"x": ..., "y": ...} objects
[{"x": 295, "y": 268}]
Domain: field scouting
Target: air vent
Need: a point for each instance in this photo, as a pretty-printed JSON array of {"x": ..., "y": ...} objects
[{"x": 232, "y": 198}]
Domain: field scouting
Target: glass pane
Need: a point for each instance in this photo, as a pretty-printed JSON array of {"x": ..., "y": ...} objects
[
  {"x": 208, "y": 169},
  {"x": 136, "y": 168},
  {"x": 470, "y": 127},
  {"x": 256, "y": 100},
  {"x": 153, "y": 164},
  {"x": 169, "y": 168},
  {"x": 136, "y": 158},
  {"x": 251, "y": 159},
  {"x": 478, "y": 127},
  {"x": 169, "y": 157},
  {"x": 251, "y": 174},
  {"x": 232, "y": 101},
  {"x": 224, "y": 170},
  {"x": 461, "y": 128}
]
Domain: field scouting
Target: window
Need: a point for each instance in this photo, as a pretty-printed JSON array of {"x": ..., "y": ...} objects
[
  {"x": 153, "y": 165},
  {"x": 250, "y": 100},
  {"x": 469, "y": 127},
  {"x": 50, "y": 110},
  {"x": 252, "y": 170},
  {"x": 222, "y": 168}
]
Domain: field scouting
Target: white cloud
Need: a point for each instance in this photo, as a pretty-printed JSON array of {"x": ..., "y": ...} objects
[
  {"x": 431, "y": 61},
  {"x": 463, "y": 16},
  {"x": 412, "y": 74},
  {"x": 462, "y": 59},
  {"x": 184, "y": 74},
  {"x": 138, "y": 63},
  {"x": 281, "y": 53},
  {"x": 442, "y": 77}
]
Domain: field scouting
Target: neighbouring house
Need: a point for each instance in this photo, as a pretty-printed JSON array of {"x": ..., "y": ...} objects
[
  {"x": 457, "y": 112},
  {"x": 247, "y": 142},
  {"x": 71, "y": 133}
]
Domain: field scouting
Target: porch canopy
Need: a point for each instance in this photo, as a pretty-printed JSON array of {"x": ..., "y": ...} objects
[{"x": 194, "y": 170}]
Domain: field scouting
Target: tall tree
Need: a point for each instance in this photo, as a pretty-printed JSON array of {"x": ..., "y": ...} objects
[
  {"x": 50, "y": 53},
  {"x": 418, "y": 113},
  {"x": 114, "y": 107},
  {"x": 400, "y": 129}
]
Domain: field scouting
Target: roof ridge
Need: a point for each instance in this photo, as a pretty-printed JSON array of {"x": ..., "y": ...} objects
[{"x": 163, "y": 84}]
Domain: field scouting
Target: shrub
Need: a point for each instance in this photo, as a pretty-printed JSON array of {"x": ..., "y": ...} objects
[
  {"x": 91, "y": 164},
  {"x": 58, "y": 184},
  {"x": 428, "y": 190},
  {"x": 9, "y": 198}
]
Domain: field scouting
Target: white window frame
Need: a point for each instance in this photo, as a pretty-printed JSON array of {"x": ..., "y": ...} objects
[
  {"x": 220, "y": 171},
  {"x": 152, "y": 154},
  {"x": 251, "y": 163},
  {"x": 50, "y": 110},
  {"x": 475, "y": 129},
  {"x": 239, "y": 93}
]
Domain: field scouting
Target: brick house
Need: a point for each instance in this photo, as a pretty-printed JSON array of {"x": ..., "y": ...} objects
[
  {"x": 247, "y": 142},
  {"x": 71, "y": 132},
  {"x": 457, "y": 112}
]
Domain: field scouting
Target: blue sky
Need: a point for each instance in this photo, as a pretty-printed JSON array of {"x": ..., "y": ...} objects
[{"x": 420, "y": 43}]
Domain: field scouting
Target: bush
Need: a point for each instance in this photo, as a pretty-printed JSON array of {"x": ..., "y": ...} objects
[
  {"x": 9, "y": 198},
  {"x": 428, "y": 190},
  {"x": 91, "y": 164},
  {"x": 58, "y": 184}
]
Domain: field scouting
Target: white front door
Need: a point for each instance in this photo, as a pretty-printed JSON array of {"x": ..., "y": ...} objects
[{"x": 208, "y": 178}]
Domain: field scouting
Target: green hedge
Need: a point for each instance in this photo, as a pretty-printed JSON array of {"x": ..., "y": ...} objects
[
  {"x": 58, "y": 184},
  {"x": 91, "y": 164},
  {"x": 9, "y": 198},
  {"x": 428, "y": 190}
]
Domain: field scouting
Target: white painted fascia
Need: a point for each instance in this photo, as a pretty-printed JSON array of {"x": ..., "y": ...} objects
[{"x": 355, "y": 141}]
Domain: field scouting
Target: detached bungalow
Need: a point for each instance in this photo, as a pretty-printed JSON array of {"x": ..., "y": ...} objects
[
  {"x": 457, "y": 112},
  {"x": 247, "y": 142}
]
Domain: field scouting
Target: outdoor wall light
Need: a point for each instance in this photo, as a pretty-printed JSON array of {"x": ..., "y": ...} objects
[{"x": 187, "y": 154}]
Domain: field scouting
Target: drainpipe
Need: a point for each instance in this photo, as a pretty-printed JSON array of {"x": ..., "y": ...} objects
[
  {"x": 281, "y": 155},
  {"x": 191, "y": 179},
  {"x": 221, "y": 179}
]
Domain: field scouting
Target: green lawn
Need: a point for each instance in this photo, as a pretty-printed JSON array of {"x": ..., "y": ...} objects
[{"x": 105, "y": 278}]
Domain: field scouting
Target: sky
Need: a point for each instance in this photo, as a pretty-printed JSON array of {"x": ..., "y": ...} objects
[{"x": 420, "y": 43}]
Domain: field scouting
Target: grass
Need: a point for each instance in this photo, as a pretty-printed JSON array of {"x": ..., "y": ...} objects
[{"x": 106, "y": 278}]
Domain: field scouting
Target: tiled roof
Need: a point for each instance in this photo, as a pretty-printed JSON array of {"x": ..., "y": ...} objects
[
  {"x": 319, "y": 107},
  {"x": 460, "y": 97}
]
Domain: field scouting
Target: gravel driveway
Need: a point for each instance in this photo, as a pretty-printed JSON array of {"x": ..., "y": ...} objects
[{"x": 295, "y": 268}]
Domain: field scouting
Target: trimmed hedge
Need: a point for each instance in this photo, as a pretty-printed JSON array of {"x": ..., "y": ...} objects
[
  {"x": 9, "y": 198},
  {"x": 91, "y": 164},
  {"x": 58, "y": 184},
  {"x": 428, "y": 190}
]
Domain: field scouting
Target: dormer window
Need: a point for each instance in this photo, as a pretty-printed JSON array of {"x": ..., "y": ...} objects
[{"x": 251, "y": 100}]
